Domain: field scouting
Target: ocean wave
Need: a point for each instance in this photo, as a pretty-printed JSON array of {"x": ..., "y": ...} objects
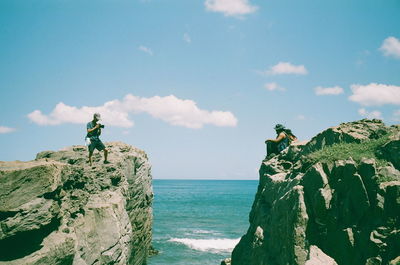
[
  {"x": 200, "y": 231},
  {"x": 196, "y": 232},
  {"x": 214, "y": 245}
]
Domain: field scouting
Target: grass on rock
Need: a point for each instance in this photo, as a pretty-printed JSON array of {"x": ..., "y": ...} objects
[{"x": 343, "y": 151}]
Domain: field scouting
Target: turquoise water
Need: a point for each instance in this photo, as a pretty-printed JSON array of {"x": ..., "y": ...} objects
[{"x": 198, "y": 222}]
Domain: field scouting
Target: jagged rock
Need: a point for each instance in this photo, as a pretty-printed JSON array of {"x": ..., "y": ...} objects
[
  {"x": 31, "y": 216},
  {"x": 347, "y": 133},
  {"x": 258, "y": 237},
  {"x": 395, "y": 261},
  {"x": 22, "y": 181},
  {"x": 391, "y": 149},
  {"x": 283, "y": 219},
  {"x": 318, "y": 257},
  {"x": 374, "y": 261},
  {"x": 389, "y": 173},
  {"x": 345, "y": 211},
  {"x": 59, "y": 210},
  {"x": 391, "y": 192},
  {"x": 226, "y": 261},
  {"x": 368, "y": 173}
]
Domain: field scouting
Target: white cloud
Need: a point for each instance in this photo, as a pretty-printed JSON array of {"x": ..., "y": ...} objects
[
  {"x": 4, "y": 129},
  {"x": 274, "y": 87},
  {"x": 187, "y": 38},
  {"x": 375, "y": 94},
  {"x": 287, "y": 68},
  {"x": 336, "y": 90},
  {"x": 230, "y": 7},
  {"x": 146, "y": 50},
  {"x": 370, "y": 114},
  {"x": 175, "y": 111},
  {"x": 391, "y": 47},
  {"x": 300, "y": 117},
  {"x": 111, "y": 112}
]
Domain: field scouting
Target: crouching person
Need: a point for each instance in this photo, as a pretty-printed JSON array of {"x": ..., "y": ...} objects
[{"x": 284, "y": 137}]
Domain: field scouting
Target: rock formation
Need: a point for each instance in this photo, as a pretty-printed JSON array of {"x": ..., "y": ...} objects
[
  {"x": 334, "y": 200},
  {"x": 59, "y": 210}
]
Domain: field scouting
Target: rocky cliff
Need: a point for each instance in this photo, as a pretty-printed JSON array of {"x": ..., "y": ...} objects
[
  {"x": 59, "y": 210},
  {"x": 334, "y": 200}
]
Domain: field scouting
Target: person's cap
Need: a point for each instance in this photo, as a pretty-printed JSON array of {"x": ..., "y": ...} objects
[
  {"x": 279, "y": 127},
  {"x": 97, "y": 116}
]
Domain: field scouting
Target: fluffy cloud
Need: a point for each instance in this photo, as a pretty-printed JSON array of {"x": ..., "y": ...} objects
[
  {"x": 370, "y": 114},
  {"x": 4, "y": 129},
  {"x": 274, "y": 87},
  {"x": 175, "y": 111},
  {"x": 146, "y": 50},
  {"x": 375, "y": 94},
  {"x": 300, "y": 117},
  {"x": 230, "y": 7},
  {"x": 336, "y": 90},
  {"x": 287, "y": 68},
  {"x": 112, "y": 113},
  {"x": 391, "y": 47}
]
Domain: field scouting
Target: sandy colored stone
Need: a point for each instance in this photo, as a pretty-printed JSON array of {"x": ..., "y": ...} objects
[
  {"x": 318, "y": 257},
  {"x": 59, "y": 210}
]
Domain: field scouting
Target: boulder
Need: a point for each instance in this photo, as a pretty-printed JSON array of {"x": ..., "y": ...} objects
[
  {"x": 327, "y": 212},
  {"x": 352, "y": 132},
  {"x": 317, "y": 257},
  {"x": 391, "y": 150},
  {"x": 59, "y": 210},
  {"x": 226, "y": 261}
]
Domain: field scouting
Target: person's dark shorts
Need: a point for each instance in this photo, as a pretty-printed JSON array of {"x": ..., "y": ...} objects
[{"x": 96, "y": 144}]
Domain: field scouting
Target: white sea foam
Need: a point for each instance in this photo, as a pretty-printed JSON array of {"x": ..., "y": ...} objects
[
  {"x": 196, "y": 232},
  {"x": 214, "y": 245},
  {"x": 200, "y": 231}
]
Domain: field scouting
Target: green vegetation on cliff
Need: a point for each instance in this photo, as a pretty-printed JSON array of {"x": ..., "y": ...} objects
[{"x": 342, "y": 151}]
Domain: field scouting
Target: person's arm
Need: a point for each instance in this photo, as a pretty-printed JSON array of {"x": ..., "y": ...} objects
[
  {"x": 280, "y": 137},
  {"x": 94, "y": 128}
]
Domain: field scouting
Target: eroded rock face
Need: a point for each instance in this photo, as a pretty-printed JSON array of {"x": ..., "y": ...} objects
[
  {"x": 59, "y": 210},
  {"x": 338, "y": 212}
]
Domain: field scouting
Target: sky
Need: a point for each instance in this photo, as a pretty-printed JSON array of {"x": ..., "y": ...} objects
[{"x": 198, "y": 85}]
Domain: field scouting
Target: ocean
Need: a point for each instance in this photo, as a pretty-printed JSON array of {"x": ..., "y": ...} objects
[{"x": 199, "y": 222}]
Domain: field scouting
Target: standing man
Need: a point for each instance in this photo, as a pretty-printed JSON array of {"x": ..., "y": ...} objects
[{"x": 93, "y": 133}]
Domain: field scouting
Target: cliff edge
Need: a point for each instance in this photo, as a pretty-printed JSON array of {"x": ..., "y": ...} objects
[
  {"x": 57, "y": 209},
  {"x": 334, "y": 200}
]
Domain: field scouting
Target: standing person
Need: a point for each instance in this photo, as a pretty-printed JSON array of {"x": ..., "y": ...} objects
[
  {"x": 93, "y": 133},
  {"x": 283, "y": 139}
]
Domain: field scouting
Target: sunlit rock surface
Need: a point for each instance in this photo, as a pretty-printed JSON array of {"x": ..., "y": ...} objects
[{"x": 59, "y": 210}]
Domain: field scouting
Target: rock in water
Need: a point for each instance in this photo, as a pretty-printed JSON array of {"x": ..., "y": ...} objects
[
  {"x": 226, "y": 261},
  {"x": 334, "y": 200},
  {"x": 59, "y": 210}
]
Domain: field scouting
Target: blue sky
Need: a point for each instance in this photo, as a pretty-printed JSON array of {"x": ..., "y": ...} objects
[{"x": 198, "y": 85}]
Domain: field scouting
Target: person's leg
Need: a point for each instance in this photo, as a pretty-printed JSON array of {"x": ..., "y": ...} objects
[
  {"x": 90, "y": 157},
  {"x": 105, "y": 155},
  {"x": 271, "y": 148},
  {"x": 91, "y": 148},
  {"x": 100, "y": 146}
]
